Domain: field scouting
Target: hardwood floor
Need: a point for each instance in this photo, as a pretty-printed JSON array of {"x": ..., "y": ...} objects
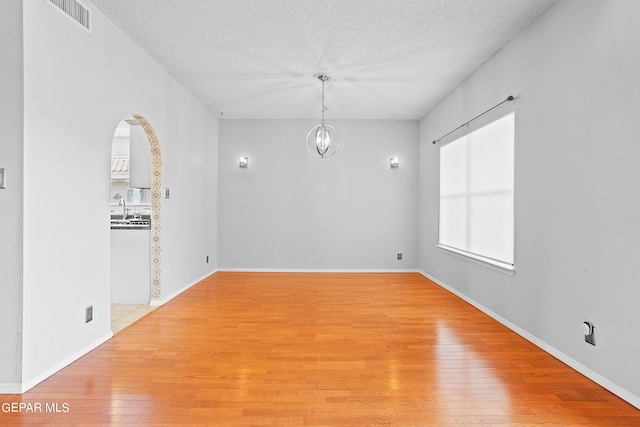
[{"x": 272, "y": 349}]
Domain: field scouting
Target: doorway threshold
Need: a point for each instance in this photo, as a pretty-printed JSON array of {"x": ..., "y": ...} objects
[{"x": 123, "y": 315}]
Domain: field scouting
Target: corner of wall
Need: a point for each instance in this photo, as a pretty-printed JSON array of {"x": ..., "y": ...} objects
[{"x": 11, "y": 197}]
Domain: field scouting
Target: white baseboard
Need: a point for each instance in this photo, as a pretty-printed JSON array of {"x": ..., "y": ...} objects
[
  {"x": 621, "y": 392},
  {"x": 58, "y": 366},
  {"x": 16, "y": 388},
  {"x": 10, "y": 388},
  {"x": 316, "y": 270},
  {"x": 166, "y": 299}
]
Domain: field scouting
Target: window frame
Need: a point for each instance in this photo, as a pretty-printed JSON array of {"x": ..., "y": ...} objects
[{"x": 494, "y": 264}]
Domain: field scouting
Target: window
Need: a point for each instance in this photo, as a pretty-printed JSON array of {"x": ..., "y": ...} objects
[{"x": 476, "y": 194}]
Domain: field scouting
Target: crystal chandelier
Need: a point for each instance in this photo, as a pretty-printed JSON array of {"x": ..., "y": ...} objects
[{"x": 323, "y": 140}]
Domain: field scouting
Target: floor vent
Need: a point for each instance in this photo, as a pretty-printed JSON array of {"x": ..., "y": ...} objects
[{"x": 73, "y": 10}]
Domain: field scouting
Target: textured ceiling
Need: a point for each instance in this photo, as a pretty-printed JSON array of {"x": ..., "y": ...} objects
[{"x": 257, "y": 58}]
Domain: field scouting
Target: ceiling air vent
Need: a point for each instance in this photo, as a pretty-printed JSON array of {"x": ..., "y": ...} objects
[{"x": 74, "y": 10}]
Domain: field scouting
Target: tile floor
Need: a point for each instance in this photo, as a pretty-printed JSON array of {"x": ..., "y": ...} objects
[{"x": 122, "y": 315}]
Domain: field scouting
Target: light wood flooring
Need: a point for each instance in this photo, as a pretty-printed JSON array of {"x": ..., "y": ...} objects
[{"x": 276, "y": 349}]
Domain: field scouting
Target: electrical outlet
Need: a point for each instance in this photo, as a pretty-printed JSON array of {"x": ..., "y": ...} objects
[
  {"x": 589, "y": 332},
  {"x": 399, "y": 256},
  {"x": 88, "y": 314}
]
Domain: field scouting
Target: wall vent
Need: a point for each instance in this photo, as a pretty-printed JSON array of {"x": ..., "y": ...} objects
[{"x": 74, "y": 10}]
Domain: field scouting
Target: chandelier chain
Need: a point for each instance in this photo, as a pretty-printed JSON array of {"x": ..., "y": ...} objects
[
  {"x": 322, "y": 101},
  {"x": 323, "y": 140}
]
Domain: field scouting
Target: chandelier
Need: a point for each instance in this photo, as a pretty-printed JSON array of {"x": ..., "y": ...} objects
[{"x": 323, "y": 140}]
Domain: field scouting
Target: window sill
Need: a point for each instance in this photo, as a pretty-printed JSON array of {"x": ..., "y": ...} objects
[{"x": 477, "y": 259}]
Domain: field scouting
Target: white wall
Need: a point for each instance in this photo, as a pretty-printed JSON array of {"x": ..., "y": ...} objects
[
  {"x": 11, "y": 159},
  {"x": 289, "y": 210},
  {"x": 78, "y": 86},
  {"x": 577, "y": 184},
  {"x": 190, "y": 216}
]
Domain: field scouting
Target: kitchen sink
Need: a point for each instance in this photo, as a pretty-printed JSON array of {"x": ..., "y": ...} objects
[{"x": 130, "y": 224}]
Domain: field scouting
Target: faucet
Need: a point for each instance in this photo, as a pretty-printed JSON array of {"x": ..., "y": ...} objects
[{"x": 124, "y": 208}]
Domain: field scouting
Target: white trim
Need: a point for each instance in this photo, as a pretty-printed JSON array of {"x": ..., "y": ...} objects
[
  {"x": 316, "y": 270},
  {"x": 10, "y": 388},
  {"x": 16, "y": 388},
  {"x": 502, "y": 267},
  {"x": 621, "y": 392},
  {"x": 62, "y": 364},
  {"x": 163, "y": 301}
]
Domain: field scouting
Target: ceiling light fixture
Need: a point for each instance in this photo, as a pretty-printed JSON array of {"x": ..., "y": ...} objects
[{"x": 323, "y": 140}]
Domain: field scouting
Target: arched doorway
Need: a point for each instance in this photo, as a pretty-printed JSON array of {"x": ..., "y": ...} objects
[
  {"x": 136, "y": 220},
  {"x": 156, "y": 209}
]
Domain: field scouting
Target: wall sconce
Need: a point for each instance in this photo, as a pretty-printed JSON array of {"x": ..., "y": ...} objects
[
  {"x": 244, "y": 162},
  {"x": 394, "y": 163}
]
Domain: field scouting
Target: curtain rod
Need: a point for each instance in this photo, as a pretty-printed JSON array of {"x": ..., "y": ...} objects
[{"x": 509, "y": 98}]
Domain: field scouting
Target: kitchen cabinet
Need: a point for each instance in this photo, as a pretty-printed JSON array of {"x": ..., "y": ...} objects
[{"x": 130, "y": 266}]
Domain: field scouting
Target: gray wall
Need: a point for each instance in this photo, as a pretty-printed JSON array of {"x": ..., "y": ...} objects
[
  {"x": 11, "y": 159},
  {"x": 289, "y": 210},
  {"x": 577, "y": 185},
  {"x": 70, "y": 115}
]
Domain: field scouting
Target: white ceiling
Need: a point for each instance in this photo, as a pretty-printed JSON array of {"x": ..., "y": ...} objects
[{"x": 257, "y": 58}]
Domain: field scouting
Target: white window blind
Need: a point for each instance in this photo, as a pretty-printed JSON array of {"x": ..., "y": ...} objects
[{"x": 476, "y": 193}]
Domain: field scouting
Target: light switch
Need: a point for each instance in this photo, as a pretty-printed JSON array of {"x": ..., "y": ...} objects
[
  {"x": 167, "y": 193},
  {"x": 3, "y": 182}
]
